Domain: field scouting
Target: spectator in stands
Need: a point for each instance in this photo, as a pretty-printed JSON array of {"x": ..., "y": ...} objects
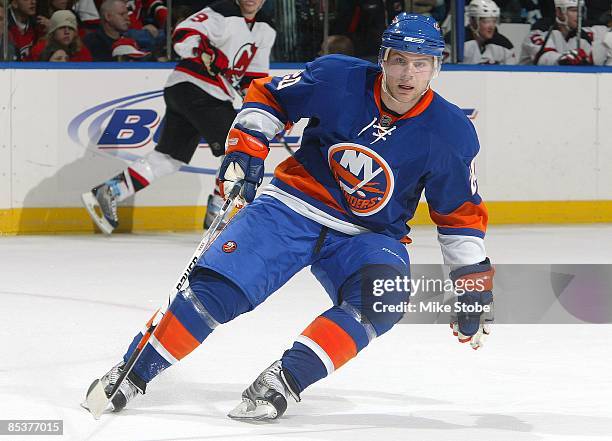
[
  {"x": 364, "y": 22},
  {"x": 22, "y": 27},
  {"x": 436, "y": 8},
  {"x": 554, "y": 41},
  {"x": 483, "y": 42},
  {"x": 114, "y": 22},
  {"x": 63, "y": 31},
  {"x": 147, "y": 22},
  {"x": 54, "y": 52},
  {"x": 337, "y": 44},
  {"x": 10, "y": 55},
  {"x": 89, "y": 17},
  {"x": 126, "y": 49},
  {"x": 46, "y": 9}
]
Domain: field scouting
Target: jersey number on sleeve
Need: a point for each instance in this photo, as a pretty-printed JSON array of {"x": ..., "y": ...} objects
[
  {"x": 289, "y": 80},
  {"x": 199, "y": 18},
  {"x": 473, "y": 180}
]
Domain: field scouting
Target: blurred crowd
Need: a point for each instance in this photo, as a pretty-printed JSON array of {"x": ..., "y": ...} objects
[{"x": 135, "y": 30}]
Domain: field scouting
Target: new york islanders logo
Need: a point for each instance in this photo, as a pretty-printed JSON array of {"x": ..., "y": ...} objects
[
  {"x": 229, "y": 246},
  {"x": 363, "y": 175}
]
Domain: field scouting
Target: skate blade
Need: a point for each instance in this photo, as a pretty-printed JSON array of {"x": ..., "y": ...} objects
[
  {"x": 96, "y": 401},
  {"x": 90, "y": 203},
  {"x": 247, "y": 411}
]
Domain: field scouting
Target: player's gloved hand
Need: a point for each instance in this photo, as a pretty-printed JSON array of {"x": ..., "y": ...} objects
[
  {"x": 245, "y": 153},
  {"x": 574, "y": 57},
  {"x": 214, "y": 60},
  {"x": 475, "y": 282}
]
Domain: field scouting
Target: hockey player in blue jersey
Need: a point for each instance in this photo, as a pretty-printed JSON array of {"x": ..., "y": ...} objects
[{"x": 378, "y": 137}]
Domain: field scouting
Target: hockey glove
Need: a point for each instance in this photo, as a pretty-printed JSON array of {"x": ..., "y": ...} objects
[
  {"x": 575, "y": 57},
  {"x": 475, "y": 304},
  {"x": 245, "y": 153},
  {"x": 214, "y": 60}
]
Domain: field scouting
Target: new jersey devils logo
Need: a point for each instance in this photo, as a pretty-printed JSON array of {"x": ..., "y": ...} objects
[
  {"x": 363, "y": 175},
  {"x": 242, "y": 60}
]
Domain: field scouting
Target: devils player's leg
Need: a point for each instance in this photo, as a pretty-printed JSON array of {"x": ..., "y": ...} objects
[
  {"x": 235, "y": 275},
  {"x": 178, "y": 142},
  {"x": 348, "y": 268},
  {"x": 212, "y": 119}
]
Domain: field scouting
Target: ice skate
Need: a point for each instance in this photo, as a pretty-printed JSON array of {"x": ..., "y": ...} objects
[
  {"x": 266, "y": 397},
  {"x": 105, "y": 200},
  {"x": 127, "y": 391}
]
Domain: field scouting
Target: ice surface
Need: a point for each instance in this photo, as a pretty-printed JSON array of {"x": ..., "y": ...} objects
[{"x": 69, "y": 305}]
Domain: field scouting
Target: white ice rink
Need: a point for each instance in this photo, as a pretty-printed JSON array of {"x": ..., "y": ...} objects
[{"x": 69, "y": 306}]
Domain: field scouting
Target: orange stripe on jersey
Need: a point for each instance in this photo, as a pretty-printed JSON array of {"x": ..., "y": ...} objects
[
  {"x": 418, "y": 108},
  {"x": 468, "y": 215},
  {"x": 177, "y": 340},
  {"x": 334, "y": 340},
  {"x": 292, "y": 173},
  {"x": 258, "y": 93}
]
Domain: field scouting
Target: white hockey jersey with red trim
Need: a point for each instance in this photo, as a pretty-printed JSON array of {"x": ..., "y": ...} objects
[
  {"x": 545, "y": 44},
  {"x": 246, "y": 44}
]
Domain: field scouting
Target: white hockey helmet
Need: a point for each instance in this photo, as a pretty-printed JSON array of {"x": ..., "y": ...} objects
[
  {"x": 564, "y": 4},
  {"x": 485, "y": 9}
]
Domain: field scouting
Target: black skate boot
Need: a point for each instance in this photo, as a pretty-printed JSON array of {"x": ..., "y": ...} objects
[
  {"x": 105, "y": 199},
  {"x": 266, "y": 398},
  {"x": 129, "y": 388}
]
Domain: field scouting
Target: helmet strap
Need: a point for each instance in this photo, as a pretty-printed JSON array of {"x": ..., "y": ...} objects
[{"x": 562, "y": 22}]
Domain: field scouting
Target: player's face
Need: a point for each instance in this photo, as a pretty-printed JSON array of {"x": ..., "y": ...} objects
[
  {"x": 407, "y": 75},
  {"x": 250, "y": 7},
  {"x": 572, "y": 18},
  {"x": 486, "y": 27},
  {"x": 64, "y": 35},
  {"x": 59, "y": 55}
]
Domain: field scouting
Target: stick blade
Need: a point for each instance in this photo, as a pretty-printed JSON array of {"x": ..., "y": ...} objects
[{"x": 96, "y": 400}]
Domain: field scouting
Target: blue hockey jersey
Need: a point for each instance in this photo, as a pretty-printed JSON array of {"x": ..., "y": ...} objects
[{"x": 360, "y": 168}]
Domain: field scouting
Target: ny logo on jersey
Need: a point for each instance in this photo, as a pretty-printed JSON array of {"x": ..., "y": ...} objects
[{"x": 363, "y": 175}]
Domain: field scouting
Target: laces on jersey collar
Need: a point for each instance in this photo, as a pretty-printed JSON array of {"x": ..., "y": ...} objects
[{"x": 381, "y": 131}]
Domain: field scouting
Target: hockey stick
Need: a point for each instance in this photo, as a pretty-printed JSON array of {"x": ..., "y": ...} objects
[
  {"x": 579, "y": 26},
  {"x": 97, "y": 399},
  {"x": 286, "y": 145}
]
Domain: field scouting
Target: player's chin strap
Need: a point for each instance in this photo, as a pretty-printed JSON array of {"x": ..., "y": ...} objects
[{"x": 566, "y": 21}]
